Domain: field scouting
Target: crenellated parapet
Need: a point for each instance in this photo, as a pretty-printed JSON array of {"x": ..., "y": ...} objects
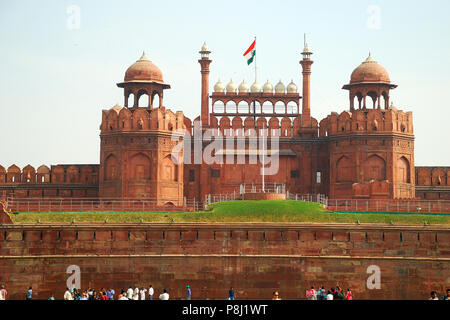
[
  {"x": 433, "y": 183},
  {"x": 122, "y": 119},
  {"x": 369, "y": 121},
  {"x": 57, "y": 174}
]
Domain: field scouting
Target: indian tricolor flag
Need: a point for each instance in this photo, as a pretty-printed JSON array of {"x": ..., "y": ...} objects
[{"x": 250, "y": 53}]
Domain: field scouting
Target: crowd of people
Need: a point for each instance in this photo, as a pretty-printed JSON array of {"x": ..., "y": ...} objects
[
  {"x": 142, "y": 293},
  {"x": 332, "y": 294}
]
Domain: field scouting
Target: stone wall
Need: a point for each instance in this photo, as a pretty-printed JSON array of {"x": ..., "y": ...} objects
[{"x": 253, "y": 258}]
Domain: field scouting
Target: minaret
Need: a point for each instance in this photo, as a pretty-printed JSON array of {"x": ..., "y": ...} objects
[
  {"x": 306, "y": 63},
  {"x": 204, "y": 63}
]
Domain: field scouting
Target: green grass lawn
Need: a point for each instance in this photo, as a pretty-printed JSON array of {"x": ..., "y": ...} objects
[{"x": 239, "y": 211}]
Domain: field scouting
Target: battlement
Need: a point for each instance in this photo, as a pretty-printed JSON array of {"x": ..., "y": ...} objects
[
  {"x": 363, "y": 121},
  {"x": 122, "y": 119}
]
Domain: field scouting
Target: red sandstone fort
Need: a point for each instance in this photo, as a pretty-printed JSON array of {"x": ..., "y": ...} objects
[{"x": 365, "y": 152}]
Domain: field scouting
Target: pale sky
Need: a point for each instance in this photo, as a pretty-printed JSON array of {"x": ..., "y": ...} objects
[{"x": 57, "y": 76}]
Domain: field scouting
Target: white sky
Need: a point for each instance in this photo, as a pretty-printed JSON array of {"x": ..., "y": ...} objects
[{"x": 55, "y": 80}]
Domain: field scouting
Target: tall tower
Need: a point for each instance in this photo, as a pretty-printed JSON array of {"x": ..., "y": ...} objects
[
  {"x": 306, "y": 63},
  {"x": 137, "y": 150},
  {"x": 204, "y": 63}
]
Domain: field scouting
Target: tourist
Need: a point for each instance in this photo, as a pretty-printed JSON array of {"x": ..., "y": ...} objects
[
  {"x": 311, "y": 294},
  {"x": 188, "y": 293},
  {"x": 52, "y": 297},
  {"x": 164, "y": 295},
  {"x": 93, "y": 296},
  {"x": 231, "y": 294},
  {"x": 68, "y": 295},
  {"x": 150, "y": 293},
  {"x": 329, "y": 296},
  {"x": 29, "y": 295},
  {"x": 110, "y": 293},
  {"x": 104, "y": 296},
  {"x": 433, "y": 296},
  {"x": 447, "y": 295},
  {"x": 276, "y": 296},
  {"x": 321, "y": 293},
  {"x": 136, "y": 294},
  {"x": 3, "y": 293},
  {"x": 142, "y": 293},
  {"x": 349, "y": 295},
  {"x": 130, "y": 293}
]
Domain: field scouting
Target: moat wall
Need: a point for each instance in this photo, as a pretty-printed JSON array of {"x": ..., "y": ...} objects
[{"x": 253, "y": 258}]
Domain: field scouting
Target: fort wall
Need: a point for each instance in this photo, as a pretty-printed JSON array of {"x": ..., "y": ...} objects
[{"x": 253, "y": 258}]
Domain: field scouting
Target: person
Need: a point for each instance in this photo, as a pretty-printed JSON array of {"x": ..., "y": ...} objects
[
  {"x": 51, "y": 297},
  {"x": 150, "y": 293},
  {"x": 104, "y": 296},
  {"x": 142, "y": 293},
  {"x": 231, "y": 294},
  {"x": 336, "y": 294},
  {"x": 321, "y": 293},
  {"x": 123, "y": 295},
  {"x": 68, "y": 295},
  {"x": 93, "y": 296},
  {"x": 276, "y": 296},
  {"x": 164, "y": 295},
  {"x": 433, "y": 296},
  {"x": 349, "y": 295},
  {"x": 29, "y": 295},
  {"x": 311, "y": 294},
  {"x": 3, "y": 293},
  {"x": 130, "y": 293},
  {"x": 329, "y": 296},
  {"x": 110, "y": 293},
  {"x": 188, "y": 293},
  {"x": 136, "y": 293},
  {"x": 447, "y": 296}
]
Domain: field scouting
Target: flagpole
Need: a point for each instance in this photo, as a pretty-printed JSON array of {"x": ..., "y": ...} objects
[{"x": 255, "y": 58}]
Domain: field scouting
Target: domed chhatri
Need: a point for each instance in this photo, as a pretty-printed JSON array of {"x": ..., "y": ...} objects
[
  {"x": 292, "y": 87},
  {"x": 219, "y": 87},
  {"x": 267, "y": 88},
  {"x": 279, "y": 87},
  {"x": 255, "y": 88},
  {"x": 231, "y": 87},
  {"x": 370, "y": 71},
  {"x": 243, "y": 87},
  {"x": 143, "y": 70}
]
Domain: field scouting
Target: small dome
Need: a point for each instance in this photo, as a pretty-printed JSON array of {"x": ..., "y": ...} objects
[
  {"x": 292, "y": 87},
  {"x": 218, "y": 87},
  {"x": 243, "y": 87},
  {"x": 231, "y": 87},
  {"x": 267, "y": 88},
  {"x": 255, "y": 88},
  {"x": 369, "y": 71},
  {"x": 279, "y": 87},
  {"x": 117, "y": 108},
  {"x": 143, "y": 70}
]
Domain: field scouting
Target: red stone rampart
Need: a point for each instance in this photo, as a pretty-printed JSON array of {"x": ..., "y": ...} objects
[{"x": 254, "y": 258}]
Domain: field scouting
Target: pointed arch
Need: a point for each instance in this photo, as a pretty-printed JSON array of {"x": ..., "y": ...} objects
[
  {"x": 344, "y": 169},
  {"x": 111, "y": 168},
  {"x": 403, "y": 170},
  {"x": 374, "y": 168}
]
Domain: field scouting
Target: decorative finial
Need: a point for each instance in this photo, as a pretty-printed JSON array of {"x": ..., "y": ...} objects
[{"x": 143, "y": 57}]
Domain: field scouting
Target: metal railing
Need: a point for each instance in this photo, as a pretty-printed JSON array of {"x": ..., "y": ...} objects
[{"x": 390, "y": 205}]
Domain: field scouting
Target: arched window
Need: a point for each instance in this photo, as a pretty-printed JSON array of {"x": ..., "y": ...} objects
[
  {"x": 111, "y": 168},
  {"x": 403, "y": 171},
  {"x": 344, "y": 170},
  {"x": 374, "y": 168}
]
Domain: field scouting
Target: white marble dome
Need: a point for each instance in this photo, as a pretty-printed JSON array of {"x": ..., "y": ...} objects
[
  {"x": 231, "y": 87},
  {"x": 292, "y": 87},
  {"x": 218, "y": 87},
  {"x": 280, "y": 87},
  {"x": 243, "y": 87},
  {"x": 255, "y": 88},
  {"x": 267, "y": 88}
]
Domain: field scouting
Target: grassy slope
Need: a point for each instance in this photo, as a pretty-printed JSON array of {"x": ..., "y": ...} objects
[{"x": 239, "y": 211}]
